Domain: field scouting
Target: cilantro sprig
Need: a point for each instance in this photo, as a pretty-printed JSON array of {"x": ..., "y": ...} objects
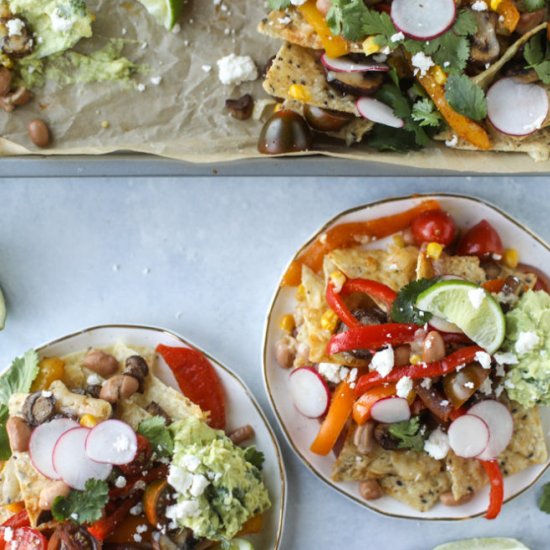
[
  {"x": 255, "y": 457},
  {"x": 425, "y": 113},
  {"x": 466, "y": 97},
  {"x": 158, "y": 434},
  {"x": 404, "y": 309},
  {"x": 537, "y": 55},
  {"x": 82, "y": 506},
  {"x": 410, "y": 434}
]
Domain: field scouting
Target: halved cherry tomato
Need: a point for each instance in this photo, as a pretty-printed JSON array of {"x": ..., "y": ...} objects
[
  {"x": 434, "y": 226},
  {"x": 480, "y": 240},
  {"x": 197, "y": 380},
  {"x": 363, "y": 406},
  {"x": 460, "y": 385},
  {"x": 155, "y": 500},
  {"x": 26, "y": 538}
]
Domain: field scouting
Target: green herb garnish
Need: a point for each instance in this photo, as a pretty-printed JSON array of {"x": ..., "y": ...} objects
[
  {"x": 537, "y": 54},
  {"x": 544, "y": 500},
  {"x": 82, "y": 506},
  {"x": 156, "y": 431},
  {"x": 255, "y": 457},
  {"x": 425, "y": 113},
  {"x": 404, "y": 309},
  {"x": 409, "y": 433},
  {"x": 466, "y": 97}
]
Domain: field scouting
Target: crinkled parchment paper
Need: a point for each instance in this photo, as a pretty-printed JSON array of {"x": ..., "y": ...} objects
[{"x": 184, "y": 117}]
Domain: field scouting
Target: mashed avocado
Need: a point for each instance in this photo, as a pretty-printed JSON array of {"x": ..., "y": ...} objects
[
  {"x": 217, "y": 488},
  {"x": 57, "y": 24},
  {"x": 528, "y": 339}
]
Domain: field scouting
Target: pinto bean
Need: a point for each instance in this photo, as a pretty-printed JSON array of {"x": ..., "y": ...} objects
[
  {"x": 100, "y": 362},
  {"x": 39, "y": 133},
  {"x": 6, "y": 77},
  {"x": 19, "y": 434},
  {"x": 285, "y": 353},
  {"x": 447, "y": 499},
  {"x": 51, "y": 492},
  {"x": 370, "y": 489},
  {"x": 118, "y": 387},
  {"x": 402, "y": 356},
  {"x": 242, "y": 434},
  {"x": 433, "y": 347}
]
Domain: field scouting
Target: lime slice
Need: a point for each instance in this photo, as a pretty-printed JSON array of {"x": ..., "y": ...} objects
[
  {"x": 483, "y": 544},
  {"x": 240, "y": 544},
  {"x": 3, "y": 312},
  {"x": 165, "y": 12},
  {"x": 470, "y": 308}
]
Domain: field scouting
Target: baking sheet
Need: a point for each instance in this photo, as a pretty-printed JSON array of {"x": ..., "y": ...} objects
[{"x": 184, "y": 117}]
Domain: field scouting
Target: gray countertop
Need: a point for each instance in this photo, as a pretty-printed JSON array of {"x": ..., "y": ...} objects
[{"x": 202, "y": 256}]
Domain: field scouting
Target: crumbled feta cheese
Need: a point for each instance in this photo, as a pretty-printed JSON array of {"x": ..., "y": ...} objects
[
  {"x": 487, "y": 387},
  {"x": 286, "y": 20},
  {"x": 397, "y": 37},
  {"x": 330, "y": 371},
  {"x": 60, "y": 23},
  {"x": 15, "y": 27},
  {"x": 199, "y": 485},
  {"x": 469, "y": 385},
  {"x": 140, "y": 87},
  {"x": 499, "y": 390},
  {"x": 137, "y": 510},
  {"x": 206, "y": 68},
  {"x": 137, "y": 538},
  {"x": 453, "y": 142},
  {"x": 437, "y": 445},
  {"x": 483, "y": 358},
  {"x": 444, "y": 402},
  {"x": 182, "y": 510},
  {"x": 506, "y": 358},
  {"x": 426, "y": 383},
  {"x": 180, "y": 479},
  {"x": 122, "y": 444},
  {"x": 156, "y": 80},
  {"x": 476, "y": 297},
  {"x": 46, "y": 393},
  {"x": 509, "y": 384},
  {"x": 404, "y": 386},
  {"x": 298, "y": 2},
  {"x": 8, "y": 534},
  {"x": 499, "y": 371},
  {"x": 120, "y": 482},
  {"x": 479, "y": 5},
  {"x": 94, "y": 380},
  {"x": 74, "y": 516},
  {"x": 236, "y": 69},
  {"x": 383, "y": 361},
  {"x": 191, "y": 462},
  {"x": 141, "y": 528},
  {"x": 526, "y": 342},
  {"x": 421, "y": 63}
]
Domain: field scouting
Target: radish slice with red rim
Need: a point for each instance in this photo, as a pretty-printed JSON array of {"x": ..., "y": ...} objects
[
  {"x": 378, "y": 112},
  {"x": 500, "y": 424},
  {"x": 468, "y": 436},
  {"x": 112, "y": 442},
  {"x": 309, "y": 392},
  {"x": 42, "y": 443},
  {"x": 516, "y": 108},
  {"x": 423, "y": 19},
  {"x": 390, "y": 410},
  {"x": 72, "y": 463},
  {"x": 346, "y": 65}
]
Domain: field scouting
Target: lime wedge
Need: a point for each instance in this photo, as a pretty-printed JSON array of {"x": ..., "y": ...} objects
[
  {"x": 240, "y": 544},
  {"x": 470, "y": 308},
  {"x": 165, "y": 12},
  {"x": 3, "y": 312},
  {"x": 483, "y": 544}
]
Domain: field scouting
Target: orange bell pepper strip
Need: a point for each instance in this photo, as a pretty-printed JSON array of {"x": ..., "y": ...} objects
[
  {"x": 252, "y": 526},
  {"x": 462, "y": 126},
  {"x": 509, "y": 11},
  {"x": 346, "y": 235},
  {"x": 337, "y": 416},
  {"x": 363, "y": 406},
  {"x": 496, "y": 497},
  {"x": 493, "y": 285},
  {"x": 335, "y": 46}
]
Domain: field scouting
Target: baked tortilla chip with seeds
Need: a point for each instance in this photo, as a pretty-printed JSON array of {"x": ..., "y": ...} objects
[
  {"x": 466, "y": 267},
  {"x": 10, "y": 491}
]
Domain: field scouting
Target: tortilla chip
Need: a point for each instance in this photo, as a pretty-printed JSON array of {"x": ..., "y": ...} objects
[
  {"x": 290, "y": 25},
  {"x": 296, "y": 65},
  {"x": 131, "y": 413},
  {"x": 466, "y": 267},
  {"x": 10, "y": 491}
]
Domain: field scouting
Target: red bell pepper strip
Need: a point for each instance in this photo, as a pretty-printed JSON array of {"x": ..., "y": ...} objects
[
  {"x": 106, "y": 526},
  {"x": 421, "y": 370},
  {"x": 371, "y": 337},
  {"x": 197, "y": 380},
  {"x": 496, "y": 497},
  {"x": 337, "y": 304}
]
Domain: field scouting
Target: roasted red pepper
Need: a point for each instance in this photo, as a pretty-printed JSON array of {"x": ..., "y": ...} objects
[
  {"x": 105, "y": 526},
  {"x": 197, "y": 380},
  {"x": 371, "y": 337},
  {"x": 336, "y": 303},
  {"x": 160, "y": 472},
  {"x": 496, "y": 498},
  {"x": 422, "y": 370}
]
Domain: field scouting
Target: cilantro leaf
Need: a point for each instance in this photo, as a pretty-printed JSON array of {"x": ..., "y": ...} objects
[
  {"x": 5, "y": 451},
  {"x": 531, "y": 5},
  {"x": 379, "y": 23},
  {"x": 346, "y": 18},
  {"x": 255, "y": 457},
  {"x": 404, "y": 309},
  {"x": 409, "y": 433},
  {"x": 466, "y": 97},
  {"x": 156, "y": 431},
  {"x": 278, "y": 4},
  {"x": 544, "y": 500},
  {"x": 425, "y": 114},
  {"x": 537, "y": 55},
  {"x": 395, "y": 140},
  {"x": 82, "y": 506}
]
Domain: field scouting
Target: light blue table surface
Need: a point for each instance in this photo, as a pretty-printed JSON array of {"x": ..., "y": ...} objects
[{"x": 202, "y": 257}]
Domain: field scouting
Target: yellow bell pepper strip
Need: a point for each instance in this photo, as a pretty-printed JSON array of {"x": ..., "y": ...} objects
[
  {"x": 462, "y": 126},
  {"x": 496, "y": 497},
  {"x": 346, "y": 235},
  {"x": 363, "y": 406},
  {"x": 509, "y": 11},
  {"x": 50, "y": 369},
  {"x": 337, "y": 416},
  {"x": 252, "y": 526},
  {"x": 335, "y": 46}
]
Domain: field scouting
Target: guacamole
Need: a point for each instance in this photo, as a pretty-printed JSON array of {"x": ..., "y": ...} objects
[
  {"x": 217, "y": 488},
  {"x": 528, "y": 339}
]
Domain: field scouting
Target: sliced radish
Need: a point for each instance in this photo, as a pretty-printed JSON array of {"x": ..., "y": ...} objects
[
  {"x": 516, "y": 108},
  {"x": 423, "y": 19},
  {"x": 378, "y": 112},
  {"x": 42, "y": 443},
  {"x": 309, "y": 392},
  {"x": 468, "y": 436},
  {"x": 444, "y": 326},
  {"x": 345, "y": 65},
  {"x": 390, "y": 410},
  {"x": 72, "y": 463},
  {"x": 112, "y": 442},
  {"x": 500, "y": 424}
]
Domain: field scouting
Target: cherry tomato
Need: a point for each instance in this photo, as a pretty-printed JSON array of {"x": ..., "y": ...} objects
[
  {"x": 434, "y": 226},
  {"x": 26, "y": 538},
  {"x": 480, "y": 240},
  {"x": 543, "y": 281}
]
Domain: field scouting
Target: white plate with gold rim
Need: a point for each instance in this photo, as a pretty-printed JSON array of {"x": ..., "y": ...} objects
[
  {"x": 301, "y": 431},
  {"x": 241, "y": 407}
]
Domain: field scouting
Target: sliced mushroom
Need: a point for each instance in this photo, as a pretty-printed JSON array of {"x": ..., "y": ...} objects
[
  {"x": 39, "y": 407},
  {"x": 156, "y": 410},
  {"x": 356, "y": 84},
  {"x": 485, "y": 44},
  {"x": 16, "y": 45},
  {"x": 240, "y": 108},
  {"x": 6, "y": 77},
  {"x": 137, "y": 367},
  {"x": 69, "y": 536}
]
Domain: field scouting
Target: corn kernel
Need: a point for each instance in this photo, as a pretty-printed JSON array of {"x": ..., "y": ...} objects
[
  {"x": 434, "y": 250},
  {"x": 88, "y": 420},
  {"x": 511, "y": 258},
  {"x": 15, "y": 507},
  {"x": 439, "y": 75},
  {"x": 287, "y": 323},
  {"x": 338, "y": 279},
  {"x": 399, "y": 240},
  {"x": 329, "y": 320},
  {"x": 370, "y": 46},
  {"x": 278, "y": 107},
  {"x": 495, "y": 4},
  {"x": 301, "y": 293},
  {"x": 299, "y": 92},
  {"x": 415, "y": 359}
]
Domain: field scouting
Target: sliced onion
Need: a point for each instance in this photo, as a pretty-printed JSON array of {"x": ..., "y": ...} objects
[
  {"x": 423, "y": 19},
  {"x": 346, "y": 65},
  {"x": 378, "y": 112}
]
